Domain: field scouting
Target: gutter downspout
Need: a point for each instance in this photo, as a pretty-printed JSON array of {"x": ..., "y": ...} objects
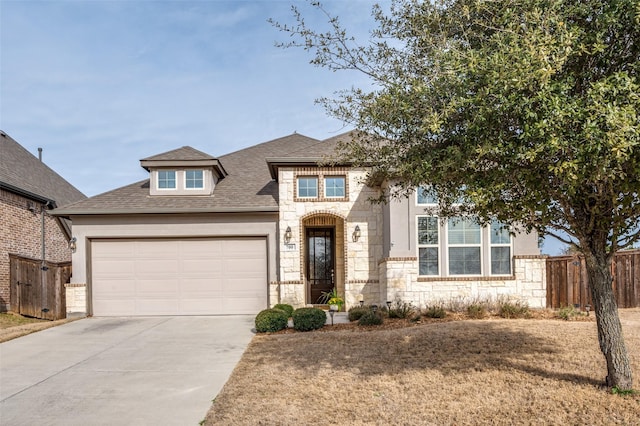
[{"x": 43, "y": 268}]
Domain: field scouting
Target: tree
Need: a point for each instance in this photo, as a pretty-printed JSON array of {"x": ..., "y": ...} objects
[{"x": 526, "y": 109}]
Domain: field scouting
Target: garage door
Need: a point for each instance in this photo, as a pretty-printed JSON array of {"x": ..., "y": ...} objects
[{"x": 178, "y": 277}]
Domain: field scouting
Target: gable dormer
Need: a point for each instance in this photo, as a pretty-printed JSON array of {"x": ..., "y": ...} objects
[{"x": 184, "y": 171}]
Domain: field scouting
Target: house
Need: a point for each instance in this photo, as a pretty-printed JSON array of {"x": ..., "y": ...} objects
[
  {"x": 29, "y": 190},
  {"x": 273, "y": 223}
]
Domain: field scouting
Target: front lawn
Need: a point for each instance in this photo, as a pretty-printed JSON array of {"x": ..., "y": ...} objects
[{"x": 493, "y": 371}]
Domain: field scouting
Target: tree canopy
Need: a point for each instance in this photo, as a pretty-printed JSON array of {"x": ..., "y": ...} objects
[{"x": 526, "y": 109}]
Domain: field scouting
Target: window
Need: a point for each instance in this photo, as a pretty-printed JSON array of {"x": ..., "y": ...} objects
[
  {"x": 194, "y": 179},
  {"x": 464, "y": 241},
  {"x": 500, "y": 249},
  {"x": 166, "y": 179},
  {"x": 425, "y": 195},
  {"x": 307, "y": 187},
  {"x": 428, "y": 245},
  {"x": 334, "y": 186}
]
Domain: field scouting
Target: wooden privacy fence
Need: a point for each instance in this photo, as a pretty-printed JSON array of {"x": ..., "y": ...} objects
[
  {"x": 568, "y": 283},
  {"x": 37, "y": 289}
]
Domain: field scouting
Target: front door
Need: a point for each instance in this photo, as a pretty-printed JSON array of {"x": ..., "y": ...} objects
[{"x": 320, "y": 262}]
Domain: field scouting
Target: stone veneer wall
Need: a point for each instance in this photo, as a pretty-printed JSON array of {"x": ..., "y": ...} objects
[
  {"x": 76, "y": 295},
  {"x": 359, "y": 263},
  {"x": 401, "y": 281}
]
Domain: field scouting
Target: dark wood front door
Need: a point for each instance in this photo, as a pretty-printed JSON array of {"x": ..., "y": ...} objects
[{"x": 320, "y": 262}]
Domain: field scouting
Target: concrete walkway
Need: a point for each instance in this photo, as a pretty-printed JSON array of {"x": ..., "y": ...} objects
[{"x": 125, "y": 371}]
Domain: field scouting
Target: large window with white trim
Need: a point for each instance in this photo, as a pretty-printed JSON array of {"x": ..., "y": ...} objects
[
  {"x": 500, "y": 241},
  {"x": 334, "y": 186},
  {"x": 464, "y": 246},
  {"x": 428, "y": 245}
]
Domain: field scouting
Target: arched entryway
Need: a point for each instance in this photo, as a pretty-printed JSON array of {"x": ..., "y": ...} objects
[{"x": 323, "y": 255}]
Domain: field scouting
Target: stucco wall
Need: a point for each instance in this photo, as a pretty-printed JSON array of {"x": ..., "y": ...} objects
[
  {"x": 86, "y": 228},
  {"x": 21, "y": 234}
]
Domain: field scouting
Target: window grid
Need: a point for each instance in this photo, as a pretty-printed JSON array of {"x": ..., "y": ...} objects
[
  {"x": 428, "y": 245},
  {"x": 166, "y": 179},
  {"x": 194, "y": 179},
  {"x": 464, "y": 241},
  {"x": 307, "y": 187},
  {"x": 500, "y": 249},
  {"x": 334, "y": 186}
]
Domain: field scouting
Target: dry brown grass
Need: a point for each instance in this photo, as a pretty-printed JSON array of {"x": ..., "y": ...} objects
[
  {"x": 499, "y": 372},
  {"x": 14, "y": 325}
]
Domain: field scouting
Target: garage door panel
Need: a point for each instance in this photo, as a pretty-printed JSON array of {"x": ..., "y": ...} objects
[{"x": 179, "y": 277}]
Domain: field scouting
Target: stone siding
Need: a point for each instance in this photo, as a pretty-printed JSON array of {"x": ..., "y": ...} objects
[
  {"x": 76, "y": 296},
  {"x": 528, "y": 284}
]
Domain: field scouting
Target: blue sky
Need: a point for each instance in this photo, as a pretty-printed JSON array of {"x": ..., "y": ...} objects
[{"x": 101, "y": 84}]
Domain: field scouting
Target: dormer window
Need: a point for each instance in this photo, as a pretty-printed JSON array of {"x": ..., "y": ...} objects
[
  {"x": 194, "y": 179},
  {"x": 166, "y": 179}
]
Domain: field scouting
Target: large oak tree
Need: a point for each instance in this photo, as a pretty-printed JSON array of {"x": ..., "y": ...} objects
[{"x": 527, "y": 109}]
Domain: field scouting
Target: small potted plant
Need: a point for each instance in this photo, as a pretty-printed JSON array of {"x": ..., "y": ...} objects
[{"x": 333, "y": 299}]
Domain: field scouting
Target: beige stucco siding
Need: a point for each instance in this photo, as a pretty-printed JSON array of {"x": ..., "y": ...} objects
[{"x": 87, "y": 228}]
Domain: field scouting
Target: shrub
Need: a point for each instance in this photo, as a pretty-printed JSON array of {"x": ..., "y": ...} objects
[
  {"x": 476, "y": 311},
  {"x": 515, "y": 309},
  {"x": 371, "y": 318},
  {"x": 288, "y": 309},
  {"x": 271, "y": 320},
  {"x": 567, "y": 313},
  {"x": 356, "y": 312},
  {"x": 435, "y": 312},
  {"x": 401, "y": 309},
  {"x": 306, "y": 319}
]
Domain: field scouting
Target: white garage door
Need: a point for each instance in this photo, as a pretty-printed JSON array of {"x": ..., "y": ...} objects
[{"x": 178, "y": 277}]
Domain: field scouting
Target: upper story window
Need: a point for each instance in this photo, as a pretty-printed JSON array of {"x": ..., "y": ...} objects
[
  {"x": 464, "y": 240},
  {"x": 425, "y": 196},
  {"x": 334, "y": 186},
  {"x": 307, "y": 187},
  {"x": 500, "y": 249},
  {"x": 194, "y": 179},
  {"x": 166, "y": 179}
]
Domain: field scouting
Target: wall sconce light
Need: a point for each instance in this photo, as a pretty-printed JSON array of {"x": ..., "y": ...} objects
[
  {"x": 72, "y": 244},
  {"x": 287, "y": 235},
  {"x": 356, "y": 234}
]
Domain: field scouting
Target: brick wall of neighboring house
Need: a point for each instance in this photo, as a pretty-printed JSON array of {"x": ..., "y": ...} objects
[{"x": 21, "y": 234}]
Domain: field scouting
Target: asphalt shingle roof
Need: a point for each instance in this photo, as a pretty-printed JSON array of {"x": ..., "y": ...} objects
[
  {"x": 186, "y": 153},
  {"x": 248, "y": 185},
  {"x": 23, "y": 172}
]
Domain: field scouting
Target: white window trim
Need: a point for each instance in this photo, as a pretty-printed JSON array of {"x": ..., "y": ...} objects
[
  {"x": 509, "y": 245},
  {"x": 437, "y": 246},
  {"x": 447, "y": 246},
  {"x": 185, "y": 180},
  {"x": 175, "y": 179},
  {"x": 344, "y": 187},
  {"x": 418, "y": 203},
  {"x": 307, "y": 197}
]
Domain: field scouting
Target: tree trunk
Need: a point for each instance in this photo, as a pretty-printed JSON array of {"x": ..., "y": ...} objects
[{"x": 609, "y": 328}]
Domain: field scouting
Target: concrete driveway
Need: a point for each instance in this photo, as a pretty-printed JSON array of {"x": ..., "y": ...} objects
[{"x": 120, "y": 371}]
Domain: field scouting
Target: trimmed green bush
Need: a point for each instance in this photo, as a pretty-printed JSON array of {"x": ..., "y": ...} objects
[
  {"x": 271, "y": 320},
  {"x": 356, "y": 312},
  {"x": 371, "y": 318},
  {"x": 288, "y": 309},
  {"x": 435, "y": 312},
  {"x": 306, "y": 319}
]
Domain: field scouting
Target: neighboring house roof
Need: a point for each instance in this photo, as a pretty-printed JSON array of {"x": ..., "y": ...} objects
[
  {"x": 23, "y": 173},
  {"x": 247, "y": 187}
]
